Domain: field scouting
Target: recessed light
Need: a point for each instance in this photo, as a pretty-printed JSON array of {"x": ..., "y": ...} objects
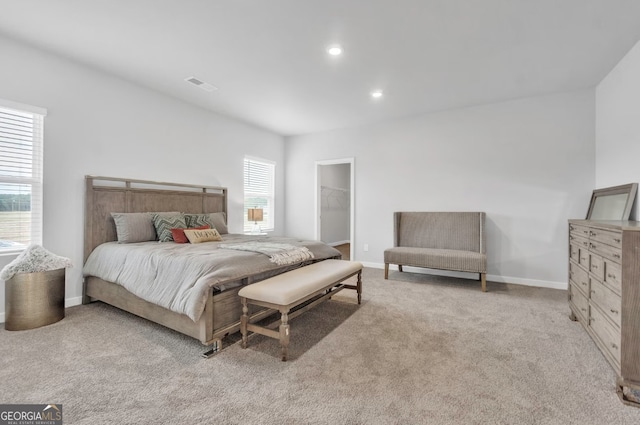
[
  {"x": 376, "y": 94},
  {"x": 334, "y": 50}
]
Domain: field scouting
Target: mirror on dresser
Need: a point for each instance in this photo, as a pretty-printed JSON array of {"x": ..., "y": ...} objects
[{"x": 612, "y": 203}]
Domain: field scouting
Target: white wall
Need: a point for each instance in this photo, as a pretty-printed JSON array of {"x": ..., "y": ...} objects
[
  {"x": 98, "y": 124},
  {"x": 335, "y": 180},
  {"x": 529, "y": 164},
  {"x": 618, "y": 125}
]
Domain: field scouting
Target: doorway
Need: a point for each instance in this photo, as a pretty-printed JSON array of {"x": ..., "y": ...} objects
[{"x": 334, "y": 204}]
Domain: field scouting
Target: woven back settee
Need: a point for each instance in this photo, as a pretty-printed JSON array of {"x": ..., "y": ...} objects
[{"x": 439, "y": 240}]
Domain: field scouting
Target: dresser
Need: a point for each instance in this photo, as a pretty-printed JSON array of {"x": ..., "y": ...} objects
[{"x": 604, "y": 294}]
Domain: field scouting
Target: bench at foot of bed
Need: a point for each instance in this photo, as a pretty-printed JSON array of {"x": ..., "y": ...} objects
[{"x": 310, "y": 284}]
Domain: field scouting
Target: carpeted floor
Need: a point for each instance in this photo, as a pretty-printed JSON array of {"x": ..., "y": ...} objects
[{"x": 419, "y": 350}]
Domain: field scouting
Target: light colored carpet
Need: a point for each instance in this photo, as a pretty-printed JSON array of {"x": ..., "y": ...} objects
[{"x": 420, "y": 349}]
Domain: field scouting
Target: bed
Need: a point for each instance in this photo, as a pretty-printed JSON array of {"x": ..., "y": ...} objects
[{"x": 218, "y": 307}]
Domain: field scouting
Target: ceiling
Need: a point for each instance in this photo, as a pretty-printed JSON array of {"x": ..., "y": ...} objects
[{"x": 268, "y": 57}]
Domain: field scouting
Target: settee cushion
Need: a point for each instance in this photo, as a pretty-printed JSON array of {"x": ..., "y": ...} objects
[{"x": 434, "y": 258}]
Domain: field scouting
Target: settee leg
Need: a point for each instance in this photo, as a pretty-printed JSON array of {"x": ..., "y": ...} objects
[
  {"x": 386, "y": 270},
  {"x": 400, "y": 268},
  {"x": 483, "y": 277}
]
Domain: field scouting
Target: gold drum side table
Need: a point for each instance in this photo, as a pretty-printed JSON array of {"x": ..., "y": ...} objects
[{"x": 33, "y": 300}]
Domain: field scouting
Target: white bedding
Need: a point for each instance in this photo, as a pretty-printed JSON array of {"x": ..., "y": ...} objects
[{"x": 178, "y": 276}]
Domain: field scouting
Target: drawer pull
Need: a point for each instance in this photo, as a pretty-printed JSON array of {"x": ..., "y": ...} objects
[
  {"x": 584, "y": 309},
  {"x": 592, "y": 233},
  {"x": 584, "y": 283},
  {"x": 617, "y": 240},
  {"x": 591, "y": 245},
  {"x": 616, "y": 255},
  {"x": 614, "y": 311},
  {"x": 570, "y": 237},
  {"x": 593, "y": 291},
  {"x": 612, "y": 276},
  {"x": 593, "y": 266},
  {"x": 614, "y": 346}
]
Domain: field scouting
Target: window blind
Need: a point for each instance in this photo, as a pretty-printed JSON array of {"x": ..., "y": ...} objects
[
  {"x": 21, "y": 139},
  {"x": 259, "y": 183}
]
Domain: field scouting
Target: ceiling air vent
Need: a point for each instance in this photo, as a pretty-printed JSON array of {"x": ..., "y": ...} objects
[{"x": 200, "y": 84}]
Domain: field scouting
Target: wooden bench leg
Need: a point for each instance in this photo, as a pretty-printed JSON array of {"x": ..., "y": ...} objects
[
  {"x": 386, "y": 270},
  {"x": 284, "y": 334},
  {"x": 400, "y": 268},
  {"x": 244, "y": 321},
  {"x": 483, "y": 277}
]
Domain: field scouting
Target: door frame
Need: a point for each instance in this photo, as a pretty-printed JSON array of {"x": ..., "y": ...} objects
[{"x": 352, "y": 162}]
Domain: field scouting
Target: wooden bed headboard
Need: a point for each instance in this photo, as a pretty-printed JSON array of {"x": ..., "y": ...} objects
[{"x": 105, "y": 195}]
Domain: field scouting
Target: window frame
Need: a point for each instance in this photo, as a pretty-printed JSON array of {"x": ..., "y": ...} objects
[
  {"x": 268, "y": 225},
  {"x": 35, "y": 180}
]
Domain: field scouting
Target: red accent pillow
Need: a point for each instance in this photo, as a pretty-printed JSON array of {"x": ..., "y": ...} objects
[{"x": 179, "y": 236}]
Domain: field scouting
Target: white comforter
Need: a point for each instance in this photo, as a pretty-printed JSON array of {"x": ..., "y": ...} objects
[{"x": 178, "y": 276}]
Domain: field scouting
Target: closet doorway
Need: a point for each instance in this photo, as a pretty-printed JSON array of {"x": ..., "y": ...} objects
[{"x": 334, "y": 204}]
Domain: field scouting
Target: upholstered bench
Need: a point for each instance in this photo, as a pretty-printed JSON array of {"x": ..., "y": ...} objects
[
  {"x": 453, "y": 241},
  {"x": 304, "y": 288}
]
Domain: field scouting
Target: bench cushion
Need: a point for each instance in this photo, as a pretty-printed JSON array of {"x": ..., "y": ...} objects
[
  {"x": 290, "y": 287},
  {"x": 444, "y": 259}
]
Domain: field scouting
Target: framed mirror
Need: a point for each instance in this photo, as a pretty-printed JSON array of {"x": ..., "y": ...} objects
[{"x": 612, "y": 203}]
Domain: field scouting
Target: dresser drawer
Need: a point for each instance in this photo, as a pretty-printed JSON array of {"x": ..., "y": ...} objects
[
  {"x": 605, "y": 299},
  {"x": 583, "y": 258},
  {"x": 579, "y": 250},
  {"x": 574, "y": 251},
  {"x": 608, "y": 336},
  {"x": 579, "y": 277},
  {"x": 608, "y": 237},
  {"x": 606, "y": 251},
  {"x": 613, "y": 276},
  {"x": 596, "y": 266},
  {"x": 579, "y": 241},
  {"x": 580, "y": 304},
  {"x": 577, "y": 230}
]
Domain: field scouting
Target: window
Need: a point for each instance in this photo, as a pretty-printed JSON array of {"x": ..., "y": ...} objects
[
  {"x": 259, "y": 178},
  {"x": 21, "y": 130}
]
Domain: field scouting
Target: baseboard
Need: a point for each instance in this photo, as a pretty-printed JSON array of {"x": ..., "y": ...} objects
[
  {"x": 338, "y": 243},
  {"x": 69, "y": 302},
  {"x": 464, "y": 275},
  {"x": 528, "y": 282}
]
